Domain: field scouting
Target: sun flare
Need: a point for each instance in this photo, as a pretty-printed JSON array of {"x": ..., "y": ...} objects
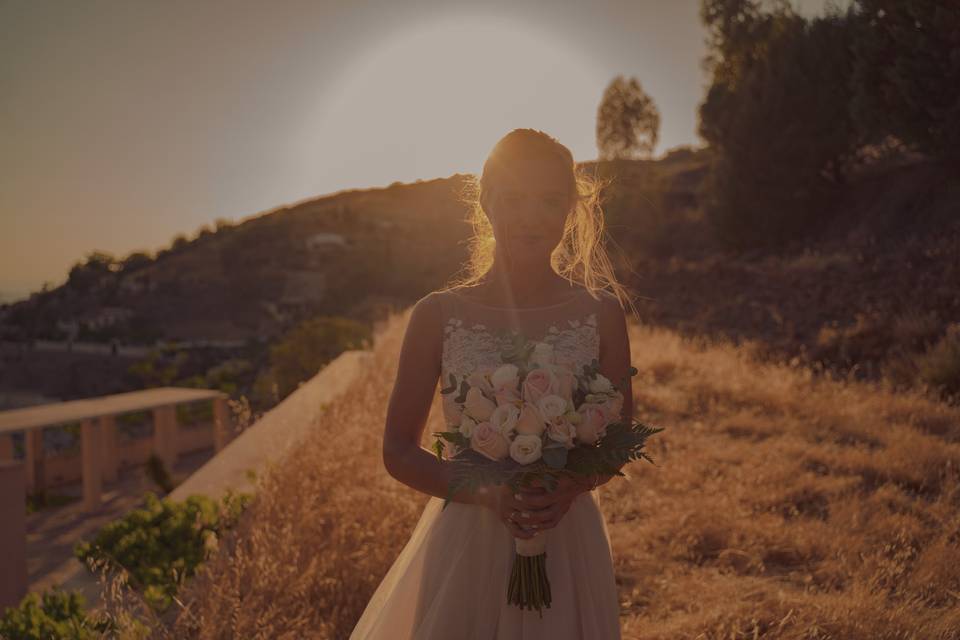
[{"x": 432, "y": 101}]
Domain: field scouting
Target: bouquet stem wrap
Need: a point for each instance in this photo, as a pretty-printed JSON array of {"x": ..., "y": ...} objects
[{"x": 529, "y": 587}]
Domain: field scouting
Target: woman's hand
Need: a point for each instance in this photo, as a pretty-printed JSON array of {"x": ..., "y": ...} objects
[
  {"x": 535, "y": 508},
  {"x": 543, "y": 509},
  {"x": 505, "y": 503}
]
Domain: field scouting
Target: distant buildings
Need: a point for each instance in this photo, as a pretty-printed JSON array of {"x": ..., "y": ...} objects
[
  {"x": 95, "y": 320},
  {"x": 323, "y": 241}
]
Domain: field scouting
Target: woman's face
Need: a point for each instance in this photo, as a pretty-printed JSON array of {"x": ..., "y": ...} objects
[{"x": 528, "y": 209}]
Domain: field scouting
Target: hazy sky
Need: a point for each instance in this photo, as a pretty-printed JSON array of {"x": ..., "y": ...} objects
[{"x": 126, "y": 122}]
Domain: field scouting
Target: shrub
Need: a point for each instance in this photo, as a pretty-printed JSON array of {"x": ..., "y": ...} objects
[
  {"x": 939, "y": 366},
  {"x": 165, "y": 542},
  {"x": 158, "y": 473},
  {"x": 54, "y": 614}
]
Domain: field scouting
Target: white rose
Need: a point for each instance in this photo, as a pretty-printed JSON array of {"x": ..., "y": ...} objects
[
  {"x": 467, "y": 425},
  {"x": 477, "y": 405},
  {"x": 504, "y": 418},
  {"x": 506, "y": 375},
  {"x": 526, "y": 449},
  {"x": 552, "y": 406},
  {"x": 542, "y": 355},
  {"x": 600, "y": 384},
  {"x": 505, "y": 381}
]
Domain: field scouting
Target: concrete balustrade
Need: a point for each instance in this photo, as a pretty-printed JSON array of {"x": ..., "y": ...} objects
[
  {"x": 100, "y": 457},
  {"x": 100, "y": 450}
]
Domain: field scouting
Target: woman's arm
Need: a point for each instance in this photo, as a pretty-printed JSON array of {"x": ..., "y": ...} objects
[
  {"x": 615, "y": 356},
  {"x": 409, "y": 407}
]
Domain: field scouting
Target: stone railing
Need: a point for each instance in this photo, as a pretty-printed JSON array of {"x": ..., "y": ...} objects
[{"x": 100, "y": 456}]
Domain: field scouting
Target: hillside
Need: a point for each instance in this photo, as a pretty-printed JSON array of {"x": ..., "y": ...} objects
[
  {"x": 864, "y": 297},
  {"x": 792, "y": 505},
  {"x": 353, "y": 253}
]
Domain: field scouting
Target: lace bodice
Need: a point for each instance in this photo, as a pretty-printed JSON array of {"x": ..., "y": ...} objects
[{"x": 475, "y": 334}]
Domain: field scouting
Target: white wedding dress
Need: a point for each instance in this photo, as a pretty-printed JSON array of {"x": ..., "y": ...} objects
[{"x": 450, "y": 580}]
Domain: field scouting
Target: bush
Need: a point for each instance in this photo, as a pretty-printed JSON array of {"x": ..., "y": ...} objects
[
  {"x": 939, "y": 366},
  {"x": 305, "y": 350},
  {"x": 55, "y": 614},
  {"x": 165, "y": 542}
]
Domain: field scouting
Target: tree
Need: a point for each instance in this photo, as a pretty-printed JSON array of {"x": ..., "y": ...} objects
[
  {"x": 907, "y": 73},
  {"x": 628, "y": 122},
  {"x": 136, "y": 260},
  {"x": 89, "y": 272},
  {"x": 777, "y": 117}
]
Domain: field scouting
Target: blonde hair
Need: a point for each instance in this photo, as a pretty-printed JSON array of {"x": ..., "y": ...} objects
[{"x": 581, "y": 256}]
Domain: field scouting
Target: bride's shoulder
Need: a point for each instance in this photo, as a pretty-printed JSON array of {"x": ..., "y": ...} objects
[
  {"x": 608, "y": 301},
  {"x": 434, "y": 307},
  {"x": 436, "y": 298}
]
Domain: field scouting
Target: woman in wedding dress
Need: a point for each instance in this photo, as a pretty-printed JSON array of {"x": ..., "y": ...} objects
[{"x": 537, "y": 266}]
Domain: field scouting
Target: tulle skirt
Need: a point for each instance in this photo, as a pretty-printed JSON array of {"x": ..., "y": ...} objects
[{"x": 450, "y": 580}]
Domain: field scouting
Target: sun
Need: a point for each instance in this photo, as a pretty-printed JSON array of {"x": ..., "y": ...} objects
[{"x": 432, "y": 101}]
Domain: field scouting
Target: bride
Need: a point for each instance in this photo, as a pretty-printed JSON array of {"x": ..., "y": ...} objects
[{"x": 537, "y": 266}]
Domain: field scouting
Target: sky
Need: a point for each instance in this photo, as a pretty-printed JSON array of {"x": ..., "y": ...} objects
[{"x": 126, "y": 122}]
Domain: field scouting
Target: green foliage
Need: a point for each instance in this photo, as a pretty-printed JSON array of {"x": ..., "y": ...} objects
[
  {"x": 621, "y": 444},
  {"x": 229, "y": 375},
  {"x": 158, "y": 473},
  {"x": 165, "y": 542},
  {"x": 158, "y": 369},
  {"x": 303, "y": 351},
  {"x": 55, "y": 614},
  {"x": 777, "y": 116},
  {"x": 906, "y": 73},
  {"x": 628, "y": 122}
]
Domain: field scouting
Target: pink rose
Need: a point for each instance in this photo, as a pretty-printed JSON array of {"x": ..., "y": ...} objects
[
  {"x": 537, "y": 384},
  {"x": 614, "y": 408},
  {"x": 562, "y": 431},
  {"x": 593, "y": 422},
  {"x": 489, "y": 442}
]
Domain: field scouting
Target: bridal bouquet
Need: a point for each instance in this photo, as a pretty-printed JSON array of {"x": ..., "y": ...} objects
[{"x": 534, "y": 419}]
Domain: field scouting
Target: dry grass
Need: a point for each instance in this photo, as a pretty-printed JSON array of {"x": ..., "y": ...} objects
[{"x": 781, "y": 506}]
